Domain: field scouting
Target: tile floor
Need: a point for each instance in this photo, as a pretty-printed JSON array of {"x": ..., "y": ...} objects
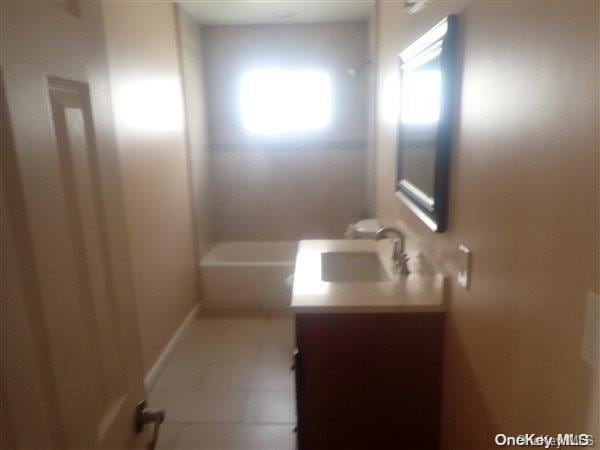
[{"x": 229, "y": 385}]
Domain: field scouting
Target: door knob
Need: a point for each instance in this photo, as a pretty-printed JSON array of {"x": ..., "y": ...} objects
[{"x": 144, "y": 416}]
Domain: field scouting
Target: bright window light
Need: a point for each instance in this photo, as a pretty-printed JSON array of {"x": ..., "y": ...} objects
[
  {"x": 280, "y": 101},
  {"x": 152, "y": 104},
  {"x": 421, "y": 94}
]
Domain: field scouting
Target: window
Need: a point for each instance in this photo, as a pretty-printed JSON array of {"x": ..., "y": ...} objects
[{"x": 276, "y": 102}]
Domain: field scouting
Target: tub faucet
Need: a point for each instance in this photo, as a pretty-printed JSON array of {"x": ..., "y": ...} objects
[{"x": 399, "y": 256}]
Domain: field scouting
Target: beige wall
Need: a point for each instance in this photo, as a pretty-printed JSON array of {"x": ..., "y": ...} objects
[
  {"x": 190, "y": 52},
  {"x": 148, "y": 110},
  {"x": 371, "y": 80},
  {"x": 311, "y": 186},
  {"x": 524, "y": 198}
]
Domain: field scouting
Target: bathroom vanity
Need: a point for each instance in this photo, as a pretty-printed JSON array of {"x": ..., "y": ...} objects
[{"x": 369, "y": 348}]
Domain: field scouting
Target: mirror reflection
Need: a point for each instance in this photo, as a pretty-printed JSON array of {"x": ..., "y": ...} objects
[{"x": 419, "y": 115}]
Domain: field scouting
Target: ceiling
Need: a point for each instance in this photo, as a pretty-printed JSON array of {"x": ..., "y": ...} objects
[{"x": 237, "y": 12}]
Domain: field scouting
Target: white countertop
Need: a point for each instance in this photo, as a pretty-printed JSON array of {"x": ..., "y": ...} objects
[{"x": 420, "y": 291}]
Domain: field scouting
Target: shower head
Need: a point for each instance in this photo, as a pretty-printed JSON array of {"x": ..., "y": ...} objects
[
  {"x": 356, "y": 72},
  {"x": 413, "y": 6}
]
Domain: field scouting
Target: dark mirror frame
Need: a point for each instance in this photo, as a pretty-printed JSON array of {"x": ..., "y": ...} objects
[{"x": 433, "y": 213}]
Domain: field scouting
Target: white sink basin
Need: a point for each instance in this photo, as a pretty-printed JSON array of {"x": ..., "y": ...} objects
[{"x": 351, "y": 266}]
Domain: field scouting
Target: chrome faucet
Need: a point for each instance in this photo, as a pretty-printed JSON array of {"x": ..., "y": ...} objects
[{"x": 399, "y": 256}]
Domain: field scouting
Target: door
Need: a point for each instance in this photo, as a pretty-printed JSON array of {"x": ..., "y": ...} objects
[{"x": 71, "y": 369}]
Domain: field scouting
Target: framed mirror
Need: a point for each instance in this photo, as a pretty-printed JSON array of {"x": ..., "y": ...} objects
[{"x": 427, "y": 72}]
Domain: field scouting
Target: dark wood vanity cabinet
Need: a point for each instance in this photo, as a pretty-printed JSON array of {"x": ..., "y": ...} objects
[{"x": 368, "y": 381}]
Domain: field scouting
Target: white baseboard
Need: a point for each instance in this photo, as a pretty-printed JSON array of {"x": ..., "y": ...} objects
[{"x": 152, "y": 376}]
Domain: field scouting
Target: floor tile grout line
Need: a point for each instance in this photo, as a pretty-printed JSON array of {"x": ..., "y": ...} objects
[
  {"x": 247, "y": 403},
  {"x": 241, "y": 390},
  {"x": 252, "y": 424},
  {"x": 204, "y": 374},
  {"x": 176, "y": 440}
]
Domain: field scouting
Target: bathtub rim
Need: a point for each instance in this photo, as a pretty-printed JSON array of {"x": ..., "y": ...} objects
[{"x": 212, "y": 261}]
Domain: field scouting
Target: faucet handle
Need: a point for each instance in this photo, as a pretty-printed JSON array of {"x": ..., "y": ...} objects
[
  {"x": 400, "y": 258},
  {"x": 397, "y": 251}
]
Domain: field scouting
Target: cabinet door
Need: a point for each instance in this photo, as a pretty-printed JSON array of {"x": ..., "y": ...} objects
[
  {"x": 299, "y": 396},
  {"x": 369, "y": 381}
]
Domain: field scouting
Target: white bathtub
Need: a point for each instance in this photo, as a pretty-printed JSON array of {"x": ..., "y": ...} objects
[{"x": 248, "y": 274}]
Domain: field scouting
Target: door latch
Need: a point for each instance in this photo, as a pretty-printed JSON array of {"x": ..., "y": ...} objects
[{"x": 144, "y": 416}]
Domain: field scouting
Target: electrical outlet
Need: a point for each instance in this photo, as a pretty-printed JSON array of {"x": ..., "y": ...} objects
[
  {"x": 464, "y": 272},
  {"x": 590, "y": 329}
]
